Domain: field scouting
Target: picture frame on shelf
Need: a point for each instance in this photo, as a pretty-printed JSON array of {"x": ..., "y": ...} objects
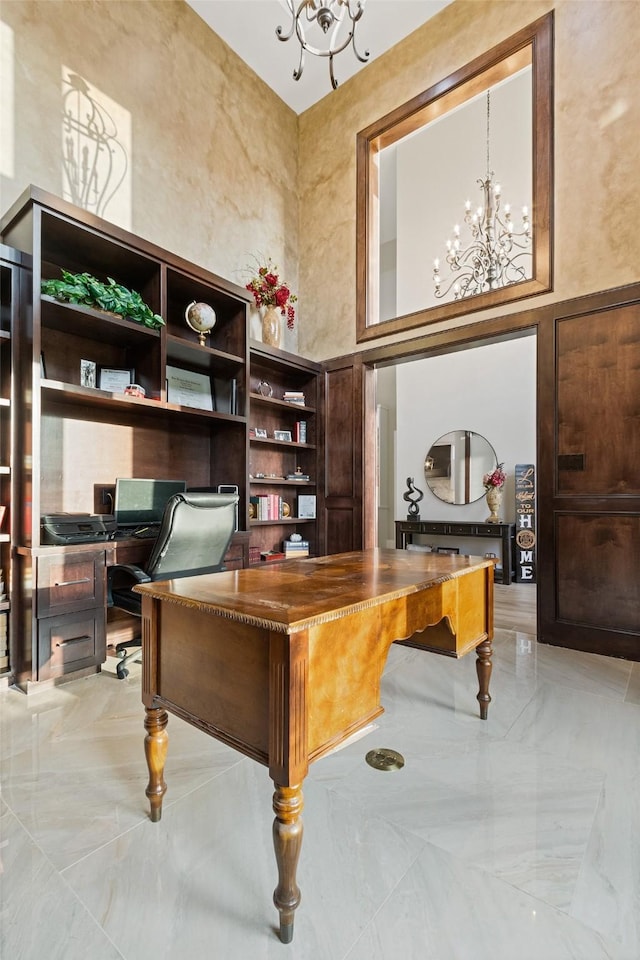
[
  {"x": 88, "y": 373},
  {"x": 284, "y": 435},
  {"x": 115, "y": 379},
  {"x": 261, "y": 433},
  {"x": 186, "y": 388},
  {"x": 307, "y": 506}
]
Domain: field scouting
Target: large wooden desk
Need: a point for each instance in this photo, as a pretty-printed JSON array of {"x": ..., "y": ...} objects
[{"x": 284, "y": 662}]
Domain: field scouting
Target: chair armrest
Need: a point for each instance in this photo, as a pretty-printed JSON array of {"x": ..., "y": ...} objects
[{"x": 124, "y": 575}]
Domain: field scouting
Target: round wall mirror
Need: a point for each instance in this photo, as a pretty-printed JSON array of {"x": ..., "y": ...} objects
[{"x": 455, "y": 465}]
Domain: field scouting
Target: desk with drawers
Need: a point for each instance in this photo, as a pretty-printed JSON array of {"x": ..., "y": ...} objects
[
  {"x": 284, "y": 662},
  {"x": 62, "y": 618}
]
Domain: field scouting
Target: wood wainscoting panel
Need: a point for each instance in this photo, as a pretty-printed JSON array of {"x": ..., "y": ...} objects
[
  {"x": 598, "y": 593},
  {"x": 589, "y": 473},
  {"x": 343, "y": 444},
  {"x": 599, "y": 403}
]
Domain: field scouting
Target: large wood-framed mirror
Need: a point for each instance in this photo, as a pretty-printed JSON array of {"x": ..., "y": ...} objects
[{"x": 420, "y": 167}]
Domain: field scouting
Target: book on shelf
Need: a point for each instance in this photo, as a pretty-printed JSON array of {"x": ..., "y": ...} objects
[
  {"x": 299, "y": 548},
  {"x": 225, "y": 395},
  {"x": 270, "y": 555},
  {"x": 300, "y": 431},
  {"x": 269, "y": 506},
  {"x": 294, "y": 396},
  {"x": 298, "y": 476}
]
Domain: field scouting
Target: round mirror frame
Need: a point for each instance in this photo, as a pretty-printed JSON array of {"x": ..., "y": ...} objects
[{"x": 439, "y": 463}]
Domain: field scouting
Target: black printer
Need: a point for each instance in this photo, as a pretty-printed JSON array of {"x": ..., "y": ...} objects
[{"x": 65, "y": 528}]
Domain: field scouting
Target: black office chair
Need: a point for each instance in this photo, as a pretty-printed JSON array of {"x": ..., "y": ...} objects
[{"x": 194, "y": 536}]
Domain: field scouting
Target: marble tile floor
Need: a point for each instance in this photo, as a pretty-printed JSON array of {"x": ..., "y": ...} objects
[{"x": 518, "y": 837}]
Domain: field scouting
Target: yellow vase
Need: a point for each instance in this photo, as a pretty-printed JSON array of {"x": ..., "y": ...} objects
[{"x": 271, "y": 326}]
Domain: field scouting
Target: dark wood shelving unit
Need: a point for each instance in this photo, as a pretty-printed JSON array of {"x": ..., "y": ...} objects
[
  {"x": 72, "y": 441},
  {"x": 66, "y": 442},
  {"x": 14, "y": 276},
  {"x": 276, "y": 372}
]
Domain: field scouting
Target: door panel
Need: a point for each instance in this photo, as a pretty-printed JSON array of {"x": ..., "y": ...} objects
[
  {"x": 598, "y": 593},
  {"x": 343, "y": 410},
  {"x": 599, "y": 403},
  {"x": 589, "y": 474}
]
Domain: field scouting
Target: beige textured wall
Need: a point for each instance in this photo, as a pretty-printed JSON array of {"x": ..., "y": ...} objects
[
  {"x": 214, "y": 150},
  {"x": 597, "y": 157},
  {"x": 223, "y": 169}
]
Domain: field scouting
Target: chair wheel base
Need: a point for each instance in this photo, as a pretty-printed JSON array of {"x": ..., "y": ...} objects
[{"x": 122, "y": 671}]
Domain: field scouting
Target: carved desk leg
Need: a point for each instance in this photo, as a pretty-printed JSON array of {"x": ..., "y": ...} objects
[
  {"x": 287, "y": 841},
  {"x": 155, "y": 749},
  {"x": 483, "y": 669}
]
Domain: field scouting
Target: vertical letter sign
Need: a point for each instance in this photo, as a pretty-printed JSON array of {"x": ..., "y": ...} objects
[{"x": 525, "y": 523}]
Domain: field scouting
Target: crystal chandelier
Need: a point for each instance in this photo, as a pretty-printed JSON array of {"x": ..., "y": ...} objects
[
  {"x": 327, "y": 20},
  {"x": 494, "y": 256}
]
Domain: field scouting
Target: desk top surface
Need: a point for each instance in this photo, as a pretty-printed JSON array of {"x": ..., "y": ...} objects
[{"x": 296, "y": 594}]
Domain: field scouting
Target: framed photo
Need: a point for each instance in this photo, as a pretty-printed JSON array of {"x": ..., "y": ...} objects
[
  {"x": 261, "y": 433},
  {"x": 87, "y": 373},
  {"x": 189, "y": 389},
  {"x": 115, "y": 379},
  {"x": 307, "y": 506},
  {"x": 450, "y": 550},
  {"x": 282, "y": 435}
]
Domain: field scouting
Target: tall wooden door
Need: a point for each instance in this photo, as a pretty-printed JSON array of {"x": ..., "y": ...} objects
[
  {"x": 349, "y": 412},
  {"x": 589, "y": 474}
]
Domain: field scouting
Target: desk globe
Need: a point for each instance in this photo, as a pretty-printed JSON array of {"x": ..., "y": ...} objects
[{"x": 201, "y": 318}]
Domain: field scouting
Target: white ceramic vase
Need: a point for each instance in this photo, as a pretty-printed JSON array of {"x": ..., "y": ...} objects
[{"x": 271, "y": 326}]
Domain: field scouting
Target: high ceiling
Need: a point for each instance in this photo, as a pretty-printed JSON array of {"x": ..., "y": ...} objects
[{"x": 249, "y": 28}]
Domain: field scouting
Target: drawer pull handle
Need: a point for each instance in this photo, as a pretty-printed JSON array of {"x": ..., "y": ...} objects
[
  {"x": 70, "y": 583},
  {"x": 66, "y": 643}
]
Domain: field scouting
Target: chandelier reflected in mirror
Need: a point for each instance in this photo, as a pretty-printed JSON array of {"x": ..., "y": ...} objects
[
  {"x": 331, "y": 23},
  {"x": 497, "y": 253}
]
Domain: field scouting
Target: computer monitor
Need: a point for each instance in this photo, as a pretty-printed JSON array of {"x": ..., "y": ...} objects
[{"x": 139, "y": 501}]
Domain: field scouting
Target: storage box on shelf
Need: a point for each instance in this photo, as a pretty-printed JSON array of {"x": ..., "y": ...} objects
[
  {"x": 74, "y": 438},
  {"x": 284, "y": 437}
]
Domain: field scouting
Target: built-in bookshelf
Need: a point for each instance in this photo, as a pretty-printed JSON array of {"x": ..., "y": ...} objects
[
  {"x": 14, "y": 276},
  {"x": 284, "y": 440},
  {"x": 76, "y": 425}
]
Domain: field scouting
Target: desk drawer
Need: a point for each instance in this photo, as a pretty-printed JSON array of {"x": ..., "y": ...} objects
[
  {"x": 489, "y": 530},
  {"x": 462, "y": 529},
  {"x": 69, "y": 581},
  {"x": 434, "y": 527},
  {"x": 70, "y": 642}
]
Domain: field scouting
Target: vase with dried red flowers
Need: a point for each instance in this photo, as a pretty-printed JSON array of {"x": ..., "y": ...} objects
[
  {"x": 493, "y": 483},
  {"x": 274, "y": 295}
]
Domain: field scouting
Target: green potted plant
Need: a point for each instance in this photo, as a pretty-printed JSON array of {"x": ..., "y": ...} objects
[{"x": 82, "y": 288}]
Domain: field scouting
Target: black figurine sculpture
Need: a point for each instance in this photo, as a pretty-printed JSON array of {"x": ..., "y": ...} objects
[{"x": 413, "y": 496}]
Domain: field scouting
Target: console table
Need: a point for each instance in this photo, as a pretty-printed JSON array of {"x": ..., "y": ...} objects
[
  {"x": 284, "y": 662},
  {"x": 504, "y": 532}
]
